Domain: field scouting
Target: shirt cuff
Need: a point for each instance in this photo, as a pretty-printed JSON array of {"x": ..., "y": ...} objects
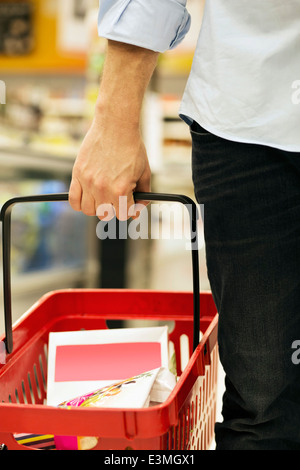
[{"x": 158, "y": 25}]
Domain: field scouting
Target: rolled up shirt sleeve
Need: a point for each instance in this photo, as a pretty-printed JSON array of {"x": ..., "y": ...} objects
[{"x": 158, "y": 25}]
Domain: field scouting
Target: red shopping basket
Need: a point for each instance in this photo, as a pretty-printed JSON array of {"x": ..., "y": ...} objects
[{"x": 184, "y": 421}]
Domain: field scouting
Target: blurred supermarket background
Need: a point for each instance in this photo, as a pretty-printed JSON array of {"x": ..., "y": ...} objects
[{"x": 51, "y": 60}]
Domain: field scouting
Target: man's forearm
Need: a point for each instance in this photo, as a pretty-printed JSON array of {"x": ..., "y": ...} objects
[
  {"x": 127, "y": 73},
  {"x": 112, "y": 161}
]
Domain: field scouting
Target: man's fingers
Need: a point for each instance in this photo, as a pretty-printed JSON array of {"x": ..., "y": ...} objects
[
  {"x": 122, "y": 205},
  {"x": 81, "y": 200},
  {"x": 75, "y": 195},
  {"x": 88, "y": 205},
  {"x": 106, "y": 198}
]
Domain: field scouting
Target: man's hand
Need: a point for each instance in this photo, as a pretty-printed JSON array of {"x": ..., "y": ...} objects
[{"x": 112, "y": 161}]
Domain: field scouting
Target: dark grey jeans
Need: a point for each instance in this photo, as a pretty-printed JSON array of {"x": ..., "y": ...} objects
[{"x": 251, "y": 197}]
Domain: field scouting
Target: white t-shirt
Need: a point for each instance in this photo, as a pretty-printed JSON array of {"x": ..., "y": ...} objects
[{"x": 245, "y": 80}]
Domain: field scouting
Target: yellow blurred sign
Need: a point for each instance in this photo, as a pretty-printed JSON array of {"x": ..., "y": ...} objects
[{"x": 29, "y": 39}]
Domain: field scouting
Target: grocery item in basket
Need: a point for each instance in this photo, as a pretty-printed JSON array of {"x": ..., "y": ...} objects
[
  {"x": 82, "y": 361},
  {"x": 163, "y": 386},
  {"x": 75, "y": 443},
  {"x": 133, "y": 392},
  {"x": 36, "y": 441}
]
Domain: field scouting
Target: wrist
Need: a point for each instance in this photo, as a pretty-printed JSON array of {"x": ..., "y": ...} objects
[
  {"x": 118, "y": 111},
  {"x": 125, "y": 78}
]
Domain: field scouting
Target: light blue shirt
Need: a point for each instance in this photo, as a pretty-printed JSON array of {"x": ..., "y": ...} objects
[
  {"x": 158, "y": 25},
  {"x": 245, "y": 80}
]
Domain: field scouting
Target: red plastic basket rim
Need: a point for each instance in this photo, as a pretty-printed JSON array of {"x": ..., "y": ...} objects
[{"x": 17, "y": 417}]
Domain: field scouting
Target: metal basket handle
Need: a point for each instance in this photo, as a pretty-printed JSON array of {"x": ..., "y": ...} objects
[{"x": 5, "y": 217}]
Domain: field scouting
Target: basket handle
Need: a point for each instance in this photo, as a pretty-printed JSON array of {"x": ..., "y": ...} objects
[{"x": 5, "y": 217}]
